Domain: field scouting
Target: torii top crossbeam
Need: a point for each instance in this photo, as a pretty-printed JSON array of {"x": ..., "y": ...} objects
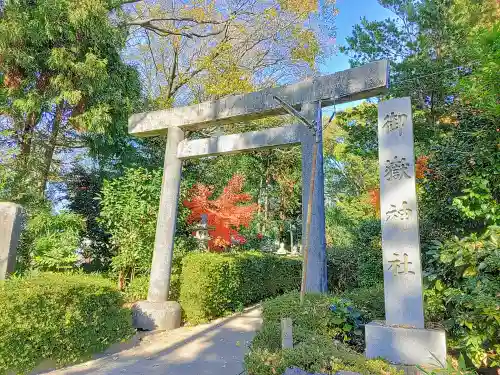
[{"x": 358, "y": 83}]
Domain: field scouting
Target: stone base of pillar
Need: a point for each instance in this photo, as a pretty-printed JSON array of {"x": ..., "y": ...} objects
[
  {"x": 149, "y": 316},
  {"x": 406, "y": 346}
]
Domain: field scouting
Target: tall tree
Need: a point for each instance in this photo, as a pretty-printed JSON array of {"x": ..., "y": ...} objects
[
  {"x": 197, "y": 50},
  {"x": 64, "y": 85}
]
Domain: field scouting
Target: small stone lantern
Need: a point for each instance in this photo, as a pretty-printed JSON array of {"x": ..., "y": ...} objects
[{"x": 201, "y": 232}]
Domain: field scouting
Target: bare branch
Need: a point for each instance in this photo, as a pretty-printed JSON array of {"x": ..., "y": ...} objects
[
  {"x": 179, "y": 19},
  {"x": 152, "y": 54},
  {"x": 160, "y": 31}
]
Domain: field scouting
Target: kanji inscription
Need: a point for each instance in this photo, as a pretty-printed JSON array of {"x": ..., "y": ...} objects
[
  {"x": 400, "y": 266},
  {"x": 397, "y": 169},
  {"x": 401, "y": 213},
  {"x": 399, "y": 219},
  {"x": 394, "y": 122}
]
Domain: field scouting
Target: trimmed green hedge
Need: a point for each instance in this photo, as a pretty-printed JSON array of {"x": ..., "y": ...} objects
[
  {"x": 214, "y": 284},
  {"x": 58, "y": 317}
]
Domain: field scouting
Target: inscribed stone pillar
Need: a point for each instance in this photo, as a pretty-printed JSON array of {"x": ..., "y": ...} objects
[
  {"x": 316, "y": 266},
  {"x": 399, "y": 216},
  {"x": 401, "y": 338},
  {"x": 10, "y": 231}
]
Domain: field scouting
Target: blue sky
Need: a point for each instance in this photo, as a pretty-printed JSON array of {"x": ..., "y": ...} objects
[{"x": 350, "y": 13}]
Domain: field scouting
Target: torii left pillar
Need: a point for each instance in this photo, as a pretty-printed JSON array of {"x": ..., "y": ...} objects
[
  {"x": 316, "y": 272},
  {"x": 157, "y": 312}
]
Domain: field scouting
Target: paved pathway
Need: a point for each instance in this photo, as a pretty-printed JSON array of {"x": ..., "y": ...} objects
[{"x": 216, "y": 348}]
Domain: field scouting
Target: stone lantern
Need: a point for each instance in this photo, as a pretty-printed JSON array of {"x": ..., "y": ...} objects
[{"x": 201, "y": 232}]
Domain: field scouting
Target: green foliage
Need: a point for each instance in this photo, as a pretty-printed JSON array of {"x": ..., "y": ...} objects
[
  {"x": 451, "y": 367},
  {"x": 63, "y": 84},
  {"x": 315, "y": 326},
  {"x": 369, "y": 301},
  {"x": 317, "y": 354},
  {"x": 61, "y": 317},
  {"x": 326, "y": 315},
  {"x": 129, "y": 207},
  {"x": 355, "y": 254},
  {"x": 138, "y": 287},
  {"x": 463, "y": 283},
  {"x": 480, "y": 89},
  {"x": 50, "y": 241},
  {"x": 214, "y": 284}
]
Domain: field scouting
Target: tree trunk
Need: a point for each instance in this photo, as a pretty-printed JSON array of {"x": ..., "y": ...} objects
[
  {"x": 26, "y": 137},
  {"x": 49, "y": 150},
  {"x": 259, "y": 208},
  {"x": 121, "y": 280},
  {"x": 266, "y": 209}
]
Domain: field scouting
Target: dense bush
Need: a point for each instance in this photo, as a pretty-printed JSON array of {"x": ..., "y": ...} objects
[
  {"x": 321, "y": 314},
  {"x": 213, "y": 284},
  {"x": 369, "y": 301},
  {"x": 316, "y": 324},
  {"x": 137, "y": 288},
  {"x": 50, "y": 241},
  {"x": 129, "y": 207},
  {"x": 355, "y": 254},
  {"x": 317, "y": 354},
  {"x": 463, "y": 285},
  {"x": 58, "y": 317}
]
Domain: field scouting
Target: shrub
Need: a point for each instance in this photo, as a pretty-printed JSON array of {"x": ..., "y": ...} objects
[
  {"x": 356, "y": 259},
  {"x": 138, "y": 287},
  {"x": 327, "y": 315},
  {"x": 59, "y": 317},
  {"x": 50, "y": 241},
  {"x": 320, "y": 320},
  {"x": 129, "y": 208},
  {"x": 213, "y": 284},
  {"x": 317, "y": 354},
  {"x": 370, "y": 301},
  {"x": 463, "y": 284},
  {"x": 315, "y": 324}
]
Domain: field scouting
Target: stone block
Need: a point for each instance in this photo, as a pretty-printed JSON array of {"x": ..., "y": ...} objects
[
  {"x": 286, "y": 333},
  {"x": 10, "y": 231},
  {"x": 407, "y": 346},
  {"x": 149, "y": 316}
]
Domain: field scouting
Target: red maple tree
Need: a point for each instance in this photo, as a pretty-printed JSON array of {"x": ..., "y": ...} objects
[
  {"x": 374, "y": 199},
  {"x": 225, "y": 214},
  {"x": 421, "y": 167}
]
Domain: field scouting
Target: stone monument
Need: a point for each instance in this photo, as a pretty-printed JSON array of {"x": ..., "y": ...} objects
[
  {"x": 10, "y": 231},
  {"x": 306, "y": 99},
  {"x": 402, "y": 338}
]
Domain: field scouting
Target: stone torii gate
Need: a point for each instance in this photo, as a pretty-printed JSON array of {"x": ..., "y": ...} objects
[{"x": 306, "y": 97}]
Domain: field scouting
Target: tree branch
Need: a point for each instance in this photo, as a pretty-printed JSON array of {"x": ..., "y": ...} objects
[
  {"x": 165, "y": 32},
  {"x": 180, "y": 19},
  {"x": 151, "y": 52}
]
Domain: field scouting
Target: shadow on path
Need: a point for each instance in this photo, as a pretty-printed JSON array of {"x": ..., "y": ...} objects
[{"x": 216, "y": 348}]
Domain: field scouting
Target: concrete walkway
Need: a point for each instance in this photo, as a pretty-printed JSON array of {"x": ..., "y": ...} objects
[{"x": 216, "y": 348}]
